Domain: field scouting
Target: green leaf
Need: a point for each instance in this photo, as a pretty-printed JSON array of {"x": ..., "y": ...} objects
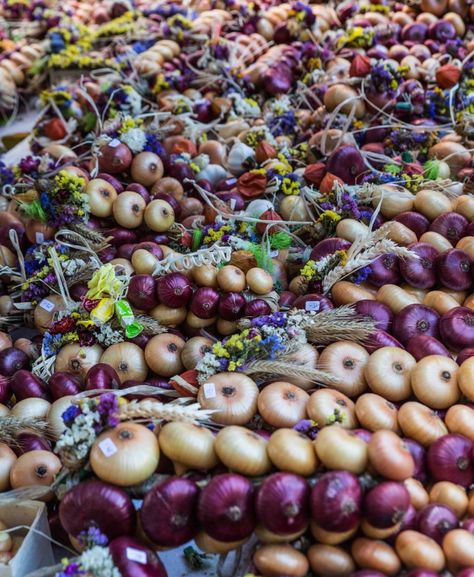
[{"x": 89, "y": 121}]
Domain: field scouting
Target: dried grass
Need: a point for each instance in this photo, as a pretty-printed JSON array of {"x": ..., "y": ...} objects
[
  {"x": 180, "y": 410},
  {"x": 291, "y": 369}
]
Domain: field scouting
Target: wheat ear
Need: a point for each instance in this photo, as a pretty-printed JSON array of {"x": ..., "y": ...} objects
[
  {"x": 291, "y": 369},
  {"x": 150, "y": 409}
]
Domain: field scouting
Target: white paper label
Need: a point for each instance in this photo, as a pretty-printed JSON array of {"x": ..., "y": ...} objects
[
  {"x": 136, "y": 555},
  {"x": 312, "y": 306},
  {"x": 114, "y": 143},
  {"x": 274, "y": 253},
  {"x": 233, "y": 202},
  {"x": 108, "y": 447},
  {"x": 209, "y": 390},
  {"x": 39, "y": 237},
  {"x": 46, "y": 305}
]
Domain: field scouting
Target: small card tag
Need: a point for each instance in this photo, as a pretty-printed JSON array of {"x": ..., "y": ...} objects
[
  {"x": 46, "y": 305},
  {"x": 274, "y": 253},
  {"x": 39, "y": 236},
  {"x": 233, "y": 202},
  {"x": 209, "y": 390},
  {"x": 114, "y": 143},
  {"x": 108, "y": 447},
  {"x": 136, "y": 555},
  {"x": 312, "y": 306}
]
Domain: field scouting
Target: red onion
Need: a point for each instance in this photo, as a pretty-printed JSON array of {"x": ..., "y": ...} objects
[
  {"x": 381, "y": 339},
  {"x": 174, "y": 290},
  {"x": 313, "y": 302},
  {"x": 112, "y": 180},
  {"x": 421, "y": 272},
  {"x": 226, "y": 508},
  {"x": 282, "y": 503},
  {"x": 5, "y": 390},
  {"x": 114, "y": 157},
  {"x": 450, "y": 458},
  {"x": 436, "y": 520},
  {"x": 102, "y": 376},
  {"x": 257, "y": 308},
  {"x": 12, "y": 360},
  {"x": 231, "y": 306},
  {"x": 385, "y": 270},
  {"x": 386, "y": 504},
  {"x": 347, "y": 163},
  {"x": 415, "y": 320},
  {"x": 168, "y": 515},
  {"x": 421, "y": 346},
  {"x": 415, "y": 221},
  {"x": 468, "y": 572},
  {"x": 107, "y": 254},
  {"x": 133, "y": 559},
  {"x": 408, "y": 522},
  {"x": 468, "y": 524},
  {"x": 457, "y": 328},
  {"x": 171, "y": 200},
  {"x": 277, "y": 79},
  {"x": 25, "y": 385},
  {"x": 182, "y": 171},
  {"x": 336, "y": 501},
  {"x": 159, "y": 383},
  {"x": 94, "y": 503},
  {"x": 140, "y": 340},
  {"x": 363, "y": 434},
  {"x": 442, "y": 30},
  {"x": 451, "y": 225},
  {"x": 328, "y": 246},
  {"x": 62, "y": 384},
  {"x": 27, "y": 442},
  {"x": 415, "y": 32},
  {"x": 368, "y": 573},
  {"x": 418, "y": 452},
  {"x": 142, "y": 292},
  {"x": 151, "y": 247},
  {"x": 454, "y": 268},
  {"x": 120, "y": 236},
  {"x": 56, "y": 529},
  {"x": 286, "y": 300},
  {"x": 19, "y": 228},
  {"x": 205, "y": 302},
  {"x": 78, "y": 291},
  {"x": 140, "y": 189},
  {"x": 126, "y": 250},
  {"x": 421, "y": 573},
  {"x": 378, "y": 312},
  {"x": 234, "y": 199},
  {"x": 464, "y": 355}
]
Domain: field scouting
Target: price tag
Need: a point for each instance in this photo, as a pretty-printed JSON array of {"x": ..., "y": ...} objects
[
  {"x": 209, "y": 390},
  {"x": 312, "y": 306},
  {"x": 46, "y": 305},
  {"x": 136, "y": 555},
  {"x": 108, "y": 447},
  {"x": 274, "y": 253},
  {"x": 232, "y": 203},
  {"x": 39, "y": 236},
  {"x": 114, "y": 143}
]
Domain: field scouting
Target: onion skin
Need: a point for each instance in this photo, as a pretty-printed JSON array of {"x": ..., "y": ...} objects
[
  {"x": 142, "y": 292},
  {"x": 101, "y": 376},
  {"x": 421, "y": 346},
  {"x": 386, "y": 504},
  {"x": 120, "y": 552},
  {"x": 420, "y": 273},
  {"x": 454, "y": 269},
  {"x": 377, "y": 311},
  {"x": 25, "y": 385},
  {"x": 464, "y": 355},
  {"x": 346, "y": 163},
  {"x": 436, "y": 520},
  {"x": 169, "y": 512},
  {"x": 457, "y": 328},
  {"x": 94, "y": 502},
  {"x": 415, "y": 320},
  {"x": 12, "y": 360},
  {"x": 450, "y": 458},
  {"x": 62, "y": 384}
]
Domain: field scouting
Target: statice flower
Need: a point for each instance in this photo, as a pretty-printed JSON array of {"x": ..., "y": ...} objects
[
  {"x": 153, "y": 144},
  {"x": 361, "y": 275},
  {"x": 307, "y": 427},
  {"x": 91, "y": 537},
  {"x": 6, "y": 175},
  {"x": 70, "y": 414},
  {"x": 108, "y": 409},
  {"x": 99, "y": 562}
]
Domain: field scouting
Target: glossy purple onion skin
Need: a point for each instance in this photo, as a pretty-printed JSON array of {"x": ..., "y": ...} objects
[
  {"x": 422, "y": 573},
  {"x": 328, "y": 246},
  {"x": 205, "y": 302},
  {"x": 386, "y": 504},
  {"x": 454, "y": 269},
  {"x": 415, "y": 221},
  {"x": 96, "y": 503},
  {"x": 385, "y": 270},
  {"x": 457, "y": 328},
  {"x": 287, "y": 299},
  {"x": 418, "y": 452},
  {"x": 450, "y": 458},
  {"x": 436, "y": 520},
  {"x": 347, "y": 163},
  {"x": 468, "y": 572},
  {"x": 142, "y": 292},
  {"x": 29, "y": 442},
  {"x": 25, "y": 385},
  {"x": 464, "y": 355},
  {"x": 368, "y": 573},
  {"x": 378, "y": 312},
  {"x": 336, "y": 501},
  {"x": 169, "y": 512},
  {"x": 282, "y": 503},
  {"x": 231, "y": 306},
  {"x": 256, "y": 308},
  {"x": 421, "y": 346},
  {"x": 101, "y": 376},
  {"x": 174, "y": 290},
  {"x": 421, "y": 272},
  {"x": 468, "y": 524},
  {"x": 120, "y": 549},
  {"x": 12, "y": 360},
  {"x": 62, "y": 384},
  {"x": 451, "y": 225},
  {"x": 381, "y": 339},
  {"x": 415, "y": 320}
]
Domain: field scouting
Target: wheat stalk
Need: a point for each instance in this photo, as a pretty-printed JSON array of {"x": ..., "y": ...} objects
[
  {"x": 149, "y": 409},
  {"x": 150, "y": 325},
  {"x": 291, "y": 369},
  {"x": 96, "y": 239},
  {"x": 11, "y": 426}
]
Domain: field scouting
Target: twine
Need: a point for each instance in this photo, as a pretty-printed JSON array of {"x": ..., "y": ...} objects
[
  {"x": 13, "y": 235},
  {"x": 177, "y": 263}
]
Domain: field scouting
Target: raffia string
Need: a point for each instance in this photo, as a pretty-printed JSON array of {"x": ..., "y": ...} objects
[
  {"x": 62, "y": 284},
  {"x": 13, "y": 235},
  {"x": 179, "y": 262}
]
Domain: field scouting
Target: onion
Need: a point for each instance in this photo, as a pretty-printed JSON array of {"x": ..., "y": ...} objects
[
  {"x": 5, "y": 341},
  {"x": 328, "y": 246},
  {"x": 384, "y": 270},
  {"x": 194, "y": 350},
  {"x": 128, "y": 209},
  {"x": 188, "y": 446},
  {"x": 375, "y": 413},
  {"x": 35, "y": 468},
  {"x": 415, "y": 320},
  {"x": 159, "y": 215},
  {"x": 77, "y": 360},
  {"x": 163, "y": 354},
  {"x": 327, "y": 406},
  {"x": 34, "y": 408},
  {"x": 94, "y": 503},
  {"x": 418, "y": 454},
  {"x": 421, "y": 346},
  {"x": 205, "y": 303},
  {"x": 30, "y": 442},
  {"x": 463, "y": 356},
  {"x": 282, "y": 503},
  {"x": 451, "y": 225},
  {"x": 7, "y": 460},
  {"x": 375, "y": 555},
  {"x": 450, "y": 458},
  {"x": 388, "y": 373},
  {"x": 436, "y": 520},
  {"x": 257, "y": 308},
  {"x": 26, "y": 385},
  {"x": 346, "y": 361},
  {"x": 336, "y": 501},
  {"x": 381, "y": 339},
  {"x": 458, "y": 546},
  {"x": 421, "y": 423},
  {"x": 102, "y": 376},
  {"x": 378, "y": 312},
  {"x": 454, "y": 268},
  {"x": 55, "y": 415},
  {"x": 232, "y": 395},
  {"x": 126, "y": 455},
  {"x": 12, "y": 360},
  {"x": 292, "y": 452},
  {"x": 168, "y": 515},
  {"x": 63, "y": 384},
  {"x": 226, "y": 508},
  {"x": 114, "y": 157},
  {"x": 420, "y": 272},
  {"x": 386, "y": 504},
  {"x": 390, "y": 457},
  {"x": 174, "y": 290},
  {"x": 133, "y": 559},
  {"x": 231, "y": 306},
  {"x": 415, "y": 221},
  {"x": 282, "y": 404},
  {"x": 243, "y": 451},
  {"x": 338, "y": 448},
  {"x": 231, "y": 279},
  {"x": 141, "y": 292},
  {"x": 433, "y": 381},
  {"x": 313, "y": 302},
  {"x": 457, "y": 328},
  {"x": 330, "y": 561},
  {"x": 346, "y": 163},
  {"x": 275, "y": 560},
  {"x": 417, "y": 550}
]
